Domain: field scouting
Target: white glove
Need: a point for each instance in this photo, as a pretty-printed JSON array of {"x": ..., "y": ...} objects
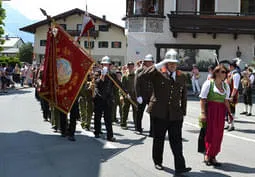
[
  {"x": 159, "y": 65},
  {"x": 139, "y": 100},
  {"x": 104, "y": 71},
  {"x": 128, "y": 96}
]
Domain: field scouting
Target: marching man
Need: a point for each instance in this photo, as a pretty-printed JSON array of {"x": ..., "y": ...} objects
[{"x": 168, "y": 107}]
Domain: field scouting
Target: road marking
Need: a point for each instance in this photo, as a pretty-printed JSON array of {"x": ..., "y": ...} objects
[{"x": 227, "y": 134}]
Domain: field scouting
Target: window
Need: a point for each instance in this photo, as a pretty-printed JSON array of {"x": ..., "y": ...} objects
[
  {"x": 43, "y": 42},
  {"x": 63, "y": 26},
  {"x": 116, "y": 44},
  {"x": 86, "y": 44},
  {"x": 186, "y": 5},
  {"x": 78, "y": 27},
  {"x": 207, "y": 6},
  {"x": 145, "y": 7},
  {"x": 248, "y": 6},
  {"x": 102, "y": 44},
  {"x": 139, "y": 7},
  {"x": 103, "y": 28}
]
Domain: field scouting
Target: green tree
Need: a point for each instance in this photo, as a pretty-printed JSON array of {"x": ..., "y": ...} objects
[
  {"x": 2, "y": 17},
  {"x": 26, "y": 52}
]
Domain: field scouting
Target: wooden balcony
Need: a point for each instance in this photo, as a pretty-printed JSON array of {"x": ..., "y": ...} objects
[
  {"x": 94, "y": 34},
  {"x": 226, "y": 23}
]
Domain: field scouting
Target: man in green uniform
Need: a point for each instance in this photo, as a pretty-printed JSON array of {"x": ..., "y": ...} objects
[
  {"x": 86, "y": 103},
  {"x": 128, "y": 85},
  {"x": 116, "y": 100}
]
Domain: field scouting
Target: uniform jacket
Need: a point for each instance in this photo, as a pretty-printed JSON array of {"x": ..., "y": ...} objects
[
  {"x": 143, "y": 85},
  {"x": 128, "y": 82},
  {"x": 169, "y": 98},
  {"x": 104, "y": 90}
]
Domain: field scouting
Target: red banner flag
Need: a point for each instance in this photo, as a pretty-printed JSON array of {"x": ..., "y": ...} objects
[
  {"x": 66, "y": 67},
  {"x": 87, "y": 24}
]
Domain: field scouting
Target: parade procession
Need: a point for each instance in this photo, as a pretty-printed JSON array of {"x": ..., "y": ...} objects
[{"x": 169, "y": 94}]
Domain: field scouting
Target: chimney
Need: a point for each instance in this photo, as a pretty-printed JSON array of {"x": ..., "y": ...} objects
[{"x": 104, "y": 17}]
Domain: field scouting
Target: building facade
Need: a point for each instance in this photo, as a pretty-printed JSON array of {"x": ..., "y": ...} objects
[
  {"x": 198, "y": 29},
  {"x": 106, "y": 38},
  {"x": 11, "y": 46}
]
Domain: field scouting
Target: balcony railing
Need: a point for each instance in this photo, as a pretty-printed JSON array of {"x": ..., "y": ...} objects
[
  {"x": 94, "y": 34},
  {"x": 207, "y": 22}
]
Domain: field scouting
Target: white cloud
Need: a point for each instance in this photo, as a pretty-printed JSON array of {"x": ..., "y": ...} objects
[{"x": 113, "y": 9}]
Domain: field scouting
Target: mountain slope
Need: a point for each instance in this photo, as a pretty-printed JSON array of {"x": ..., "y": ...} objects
[{"x": 15, "y": 20}]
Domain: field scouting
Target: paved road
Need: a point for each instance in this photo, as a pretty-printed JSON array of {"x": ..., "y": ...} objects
[{"x": 29, "y": 148}]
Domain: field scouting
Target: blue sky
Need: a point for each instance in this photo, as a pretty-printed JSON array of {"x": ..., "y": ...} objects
[
  {"x": 21, "y": 13},
  {"x": 113, "y": 9}
]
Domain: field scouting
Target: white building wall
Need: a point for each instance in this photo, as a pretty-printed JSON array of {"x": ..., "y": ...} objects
[
  {"x": 142, "y": 43},
  {"x": 227, "y": 6},
  {"x": 114, "y": 34}
]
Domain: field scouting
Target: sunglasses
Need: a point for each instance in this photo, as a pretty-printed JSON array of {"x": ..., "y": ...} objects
[{"x": 223, "y": 72}]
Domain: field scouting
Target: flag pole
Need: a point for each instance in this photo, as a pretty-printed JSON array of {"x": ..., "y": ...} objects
[
  {"x": 52, "y": 74},
  {"x": 88, "y": 32}
]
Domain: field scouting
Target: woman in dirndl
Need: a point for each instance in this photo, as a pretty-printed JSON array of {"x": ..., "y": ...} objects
[{"x": 214, "y": 106}]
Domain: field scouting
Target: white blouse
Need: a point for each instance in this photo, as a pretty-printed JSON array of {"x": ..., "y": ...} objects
[{"x": 206, "y": 88}]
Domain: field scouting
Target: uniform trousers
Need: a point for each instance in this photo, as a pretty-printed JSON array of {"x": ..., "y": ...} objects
[
  {"x": 45, "y": 109},
  {"x": 125, "y": 111},
  {"x": 174, "y": 129},
  {"x": 74, "y": 114},
  {"x": 140, "y": 111},
  {"x": 103, "y": 107}
]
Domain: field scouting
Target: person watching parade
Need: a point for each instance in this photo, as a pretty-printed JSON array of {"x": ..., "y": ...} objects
[
  {"x": 233, "y": 80},
  {"x": 168, "y": 107},
  {"x": 247, "y": 82},
  {"x": 214, "y": 105}
]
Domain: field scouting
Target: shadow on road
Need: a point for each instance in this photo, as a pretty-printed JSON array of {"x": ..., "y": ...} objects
[
  {"x": 244, "y": 122},
  {"x": 30, "y": 154},
  {"x": 202, "y": 173},
  {"x": 230, "y": 167},
  {"x": 246, "y": 131},
  {"x": 15, "y": 92}
]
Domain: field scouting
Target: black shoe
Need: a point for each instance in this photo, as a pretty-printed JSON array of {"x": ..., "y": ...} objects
[
  {"x": 215, "y": 163},
  {"x": 159, "y": 167},
  {"x": 248, "y": 114},
  {"x": 71, "y": 138},
  {"x": 243, "y": 113},
  {"x": 227, "y": 127},
  {"x": 207, "y": 162},
  {"x": 112, "y": 139},
  {"x": 184, "y": 170},
  {"x": 231, "y": 128},
  {"x": 97, "y": 136}
]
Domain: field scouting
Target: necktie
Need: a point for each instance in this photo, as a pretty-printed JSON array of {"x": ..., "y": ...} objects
[{"x": 171, "y": 76}]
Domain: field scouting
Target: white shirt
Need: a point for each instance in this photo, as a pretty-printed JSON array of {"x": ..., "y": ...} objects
[
  {"x": 173, "y": 75},
  {"x": 206, "y": 88},
  {"x": 251, "y": 79},
  {"x": 236, "y": 79}
]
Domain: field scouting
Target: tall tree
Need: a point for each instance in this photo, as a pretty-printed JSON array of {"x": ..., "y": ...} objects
[
  {"x": 2, "y": 17},
  {"x": 26, "y": 52}
]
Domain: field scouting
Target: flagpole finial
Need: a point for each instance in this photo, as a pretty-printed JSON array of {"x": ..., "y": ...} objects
[{"x": 45, "y": 13}]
